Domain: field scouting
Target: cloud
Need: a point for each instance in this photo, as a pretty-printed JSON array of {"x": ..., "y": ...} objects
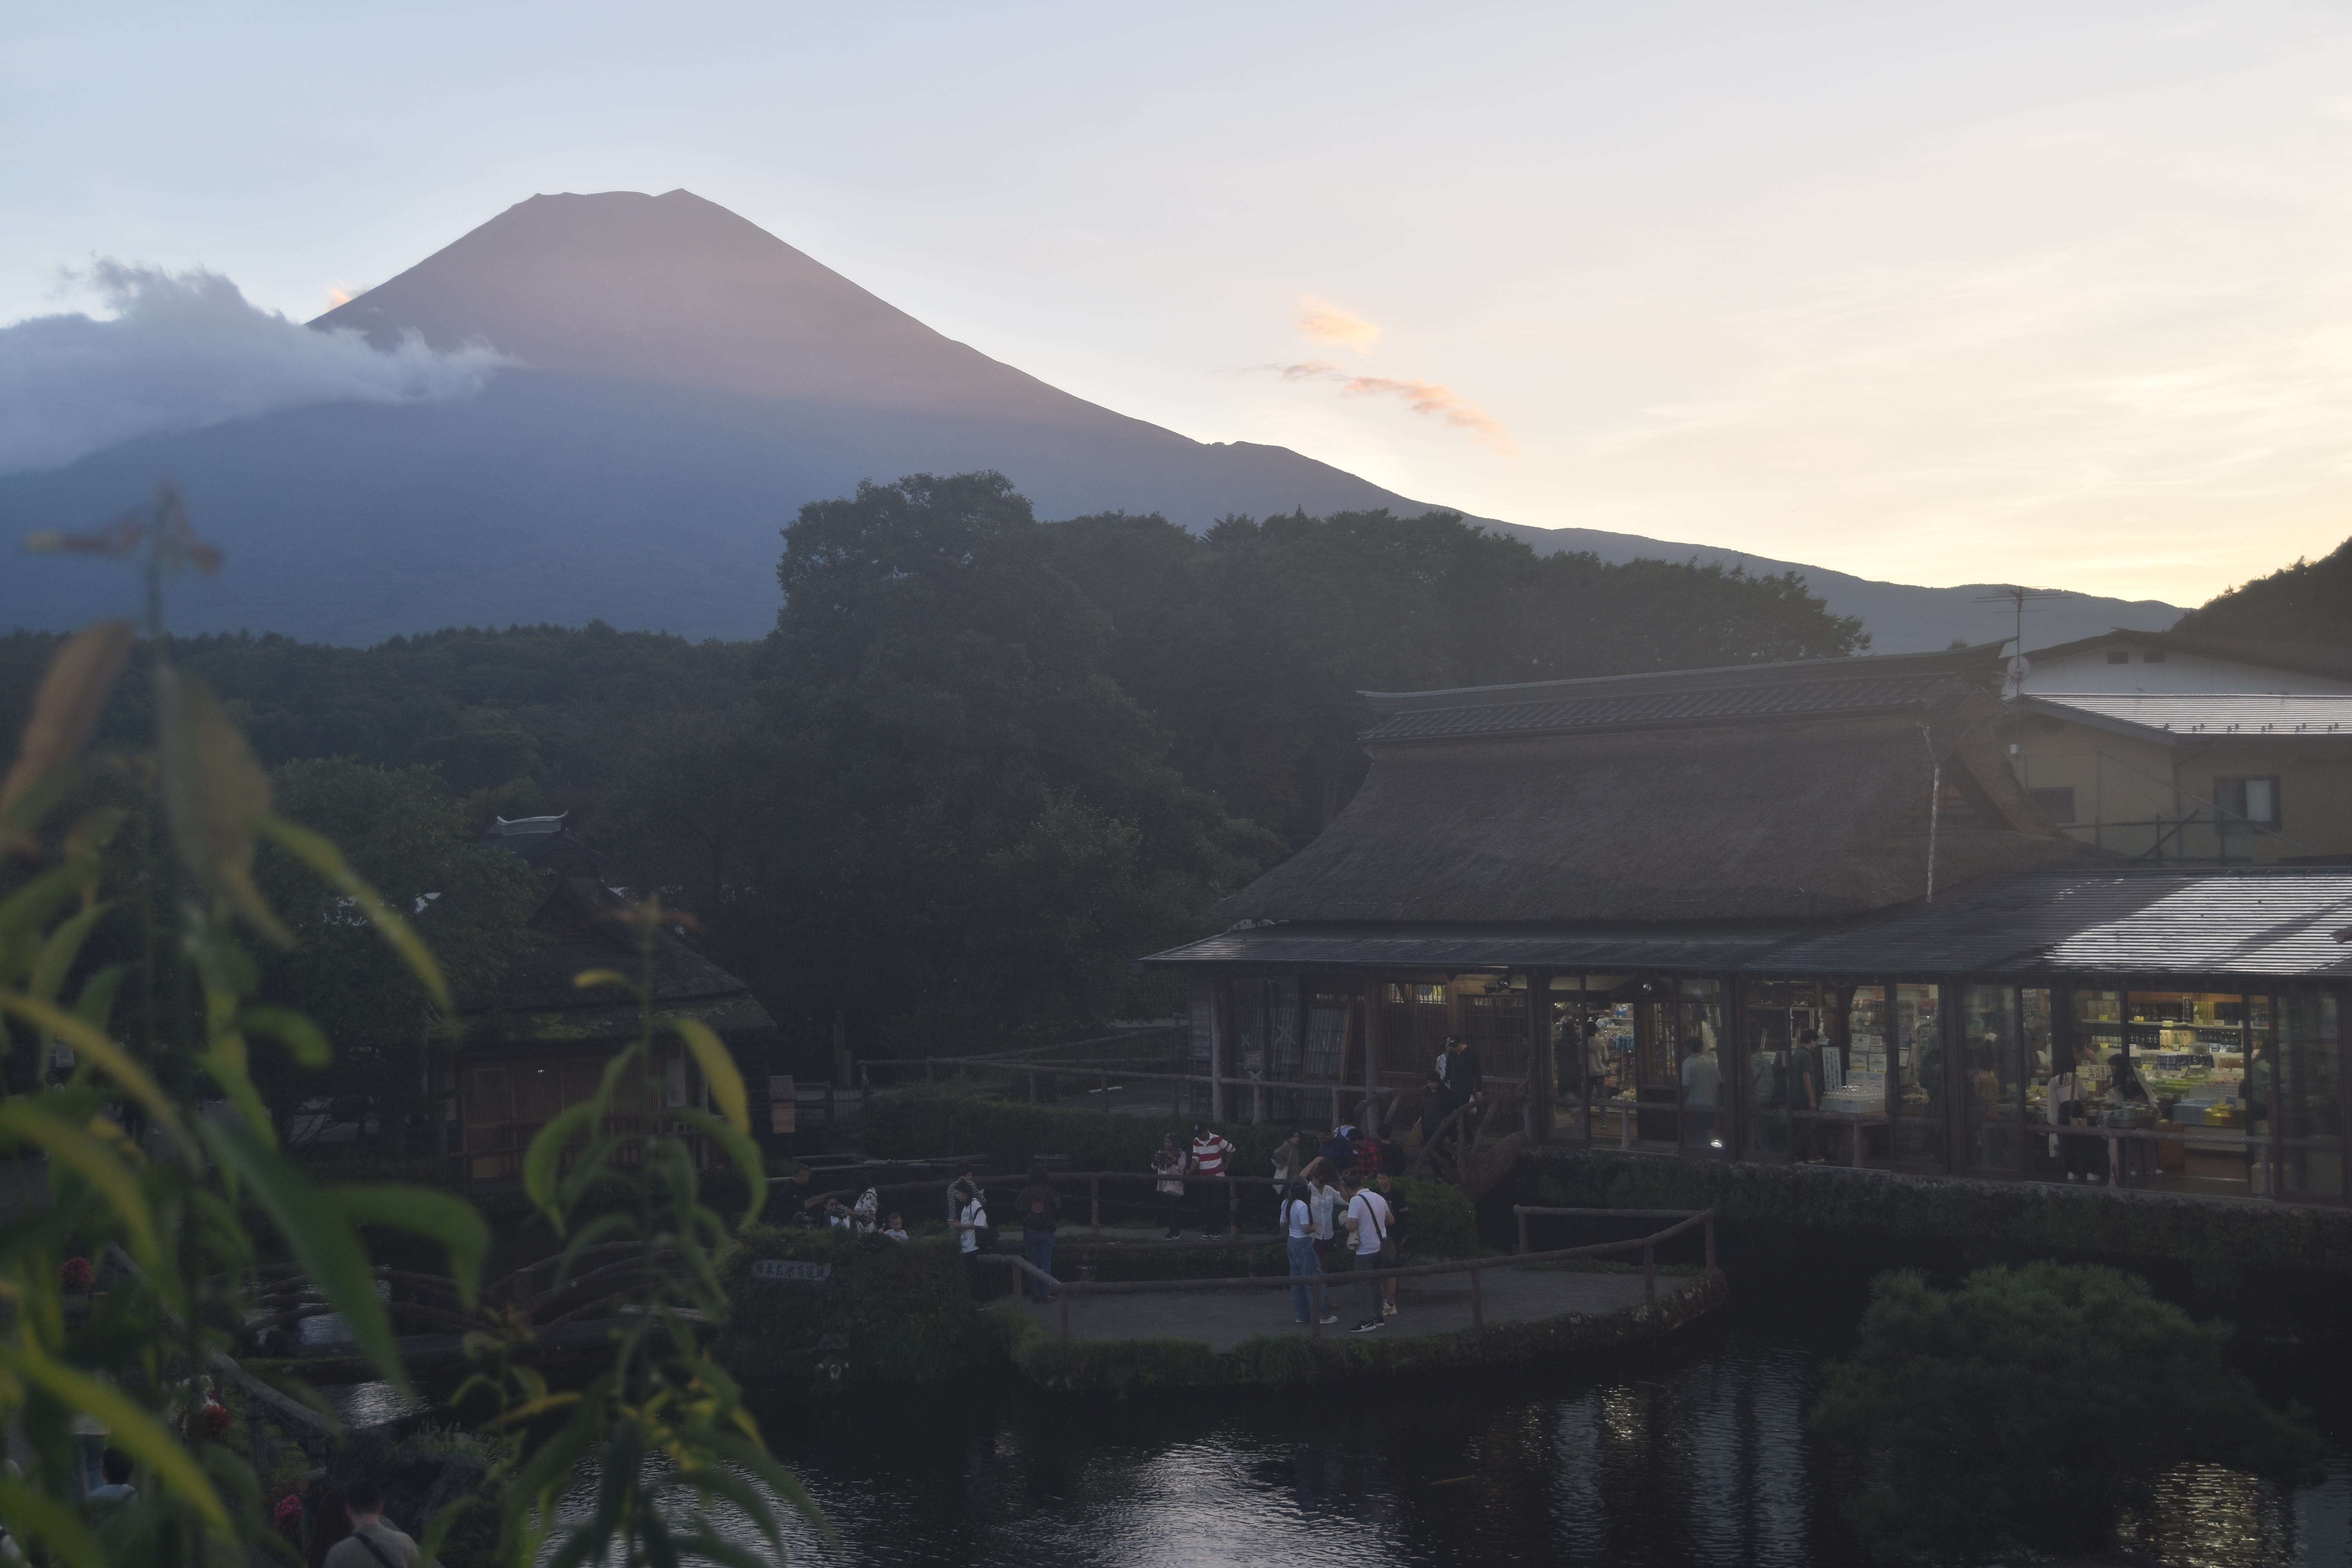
[
  {"x": 186, "y": 350},
  {"x": 1430, "y": 398},
  {"x": 1329, "y": 324}
]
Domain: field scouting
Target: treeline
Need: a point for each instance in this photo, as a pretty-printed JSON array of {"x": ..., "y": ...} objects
[
  {"x": 2310, "y": 600},
  {"x": 982, "y": 761}
]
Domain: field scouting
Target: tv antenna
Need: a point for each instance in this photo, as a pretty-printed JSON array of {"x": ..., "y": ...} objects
[{"x": 2019, "y": 597}]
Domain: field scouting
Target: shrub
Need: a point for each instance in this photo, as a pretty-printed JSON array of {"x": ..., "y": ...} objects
[
  {"x": 2031, "y": 1408},
  {"x": 902, "y": 1307}
]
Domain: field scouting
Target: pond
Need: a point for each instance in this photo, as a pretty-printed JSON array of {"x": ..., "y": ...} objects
[{"x": 1691, "y": 1453}]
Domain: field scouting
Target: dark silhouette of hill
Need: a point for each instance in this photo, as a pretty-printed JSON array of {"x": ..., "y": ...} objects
[
  {"x": 688, "y": 382},
  {"x": 2309, "y": 602}
]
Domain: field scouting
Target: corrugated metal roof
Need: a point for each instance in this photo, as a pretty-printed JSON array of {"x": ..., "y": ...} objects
[
  {"x": 2269, "y": 922},
  {"x": 1456, "y": 949},
  {"x": 2243, "y": 714},
  {"x": 1630, "y": 709}
]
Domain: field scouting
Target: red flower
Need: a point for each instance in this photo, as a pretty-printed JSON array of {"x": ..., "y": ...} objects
[
  {"x": 212, "y": 1423},
  {"x": 76, "y": 1275}
]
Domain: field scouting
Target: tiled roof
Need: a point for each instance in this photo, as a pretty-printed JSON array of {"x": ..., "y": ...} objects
[
  {"x": 2267, "y": 922},
  {"x": 2225, "y": 713},
  {"x": 1610, "y": 710}
]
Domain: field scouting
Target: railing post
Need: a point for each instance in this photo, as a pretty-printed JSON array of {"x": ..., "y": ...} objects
[
  {"x": 1232, "y": 1207},
  {"x": 1477, "y": 1303},
  {"x": 1105, "y": 1093},
  {"x": 1650, "y": 1273},
  {"x": 1062, "y": 1293},
  {"x": 1710, "y": 1242},
  {"x": 1094, "y": 1200},
  {"x": 1522, "y": 1214}
]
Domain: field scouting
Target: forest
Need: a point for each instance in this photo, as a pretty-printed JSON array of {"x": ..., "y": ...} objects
[{"x": 982, "y": 762}]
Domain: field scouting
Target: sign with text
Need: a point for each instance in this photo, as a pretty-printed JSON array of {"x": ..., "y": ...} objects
[{"x": 790, "y": 1272}]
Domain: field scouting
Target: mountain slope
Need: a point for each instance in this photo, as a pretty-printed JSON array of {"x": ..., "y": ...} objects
[
  {"x": 690, "y": 380},
  {"x": 2310, "y": 600}
]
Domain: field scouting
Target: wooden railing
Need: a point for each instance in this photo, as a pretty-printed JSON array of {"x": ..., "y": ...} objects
[{"x": 1063, "y": 1289}]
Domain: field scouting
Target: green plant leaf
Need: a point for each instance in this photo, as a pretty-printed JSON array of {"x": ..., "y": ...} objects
[
  {"x": 322, "y": 1240},
  {"x": 36, "y": 1516},
  {"x": 300, "y": 1036},
  {"x": 546, "y": 1153},
  {"x": 129, "y": 1427},
  {"x": 96, "y": 1003},
  {"x": 214, "y": 795},
  {"x": 742, "y": 1150},
  {"x": 224, "y": 1064},
  {"x": 108, "y": 1058},
  {"x": 29, "y": 1117},
  {"x": 328, "y": 861},
  {"x": 719, "y": 1070},
  {"x": 65, "y": 709},
  {"x": 57, "y": 954},
  {"x": 439, "y": 1216}
]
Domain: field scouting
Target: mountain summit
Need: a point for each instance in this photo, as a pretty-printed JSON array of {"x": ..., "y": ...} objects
[
  {"x": 678, "y": 291},
  {"x": 684, "y": 381}
]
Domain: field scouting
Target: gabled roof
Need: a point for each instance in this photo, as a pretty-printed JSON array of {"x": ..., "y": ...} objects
[{"x": 2304, "y": 658}]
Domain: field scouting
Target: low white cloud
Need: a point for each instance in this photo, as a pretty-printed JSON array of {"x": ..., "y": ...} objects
[{"x": 182, "y": 351}]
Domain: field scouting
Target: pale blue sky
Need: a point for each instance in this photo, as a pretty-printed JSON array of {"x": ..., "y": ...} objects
[{"x": 2007, "y": 291}]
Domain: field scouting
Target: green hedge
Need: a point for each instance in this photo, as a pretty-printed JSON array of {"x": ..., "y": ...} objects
[
  {"x": 903, "y": 1308},
  {"x": 2024, "y": 1217}
]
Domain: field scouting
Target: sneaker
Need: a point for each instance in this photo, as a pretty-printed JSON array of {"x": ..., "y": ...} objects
[
  {"x": 1300, "y": 1321},
  {"x": 1329, "y": 1318},
  {"x": 1388, "y": 1308},
  {"x": 1366, "y": 1327}
]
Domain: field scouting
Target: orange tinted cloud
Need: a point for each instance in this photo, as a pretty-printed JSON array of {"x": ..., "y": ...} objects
[
  {"x": 1331, "y": 324},
  {"x": 1430, "y": 398}
]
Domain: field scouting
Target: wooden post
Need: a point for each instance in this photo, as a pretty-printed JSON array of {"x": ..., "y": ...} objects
[
  {"x": 1033, "y": 1087},
  {"x": 1232, "y": 1204},
  {"x": 1372, "y": 1055},
  {"x": 1537, "y": 1114},
  {"x": 1094, "y": 1200},
  {"x": 1522, "y": 1216},
  {"x": 1105, "y": 1093},
  {"x": 1710, "y": 1244},
  {"x": 1063, "y": 1293},
  {"x": 1477, "y": 1303},
  {"x": 1650, "y": 1273},
  {"x": 1220, "y": 1033}
]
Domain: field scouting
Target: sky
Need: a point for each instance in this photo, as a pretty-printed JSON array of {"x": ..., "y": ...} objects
[{"x": 1998, "y": 292}]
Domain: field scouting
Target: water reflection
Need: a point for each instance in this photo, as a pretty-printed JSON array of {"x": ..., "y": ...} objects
[{"x": 1691, "y": 1454}]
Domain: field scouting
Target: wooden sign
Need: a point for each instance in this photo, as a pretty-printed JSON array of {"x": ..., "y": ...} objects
[{"x": 788, "y": 1272}]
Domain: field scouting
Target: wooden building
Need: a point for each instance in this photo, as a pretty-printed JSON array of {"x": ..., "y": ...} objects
[
  {"x": 1637, "y": 897},
  {"x": 542, "y": 1044}
]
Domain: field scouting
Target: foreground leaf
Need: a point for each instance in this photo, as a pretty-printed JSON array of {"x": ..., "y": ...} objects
[
  {"x": 214, "y": 795},
  {"x": 66, "y": 710}
]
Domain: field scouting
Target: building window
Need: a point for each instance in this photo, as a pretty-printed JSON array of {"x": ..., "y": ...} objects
[
  {"x": 2249, "y": 800},
  {"x": 2119, "y": 656},
  {"x": 2056, "y": 804},
  {"x": 2152, "y": 656}
]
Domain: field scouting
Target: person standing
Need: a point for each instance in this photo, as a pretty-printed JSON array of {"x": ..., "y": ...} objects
[
  {"x": 1465, "y": 1077},
  {"x": 1442, "y": 1067},
  {"x": 372, "y": 1544},
  {"x": 1298, "y": 1225},
  {"x": 1702, "y": 1092},
  {"x": 1368, "y": 1227},
  {"x": 1211, "y": 1158},
  {"x": 1392, "y": 1249},
  {"x": 1323, "y": 1196},
  {"x": 1168, "y": 1165},
  {"x": 1289, "y": 1159},
  {"x": 972, "y": 1218},
  {"x": 1041, "y": 1205}
]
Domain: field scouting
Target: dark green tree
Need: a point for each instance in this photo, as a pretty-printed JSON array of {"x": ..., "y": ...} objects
[
  {"x": 400, "y": 830},
  {"x": 2032, "y": 1408},
  {"x": 2310, "y": 600}
]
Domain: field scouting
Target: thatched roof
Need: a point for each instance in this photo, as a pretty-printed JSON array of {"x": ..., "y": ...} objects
[{"x": 1805, "y": 797}]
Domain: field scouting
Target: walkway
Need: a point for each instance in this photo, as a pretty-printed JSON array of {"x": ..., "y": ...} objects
[{"x": 1438, "y": 1305}]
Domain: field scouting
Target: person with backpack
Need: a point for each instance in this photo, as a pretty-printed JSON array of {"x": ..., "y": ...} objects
[
  {"x": 1298, "y": 1227},
  {"x": 972, "y": 1234},
  {"x": 1041, "y": 1205},
  {"x": 372, "y": 1544},
  {"x": 1368, "y": 1227},
  {"x": 1210, "y": 1156}
]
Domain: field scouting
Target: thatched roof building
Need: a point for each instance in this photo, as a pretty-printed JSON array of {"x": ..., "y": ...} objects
[{"x": 1757, "y": 792}]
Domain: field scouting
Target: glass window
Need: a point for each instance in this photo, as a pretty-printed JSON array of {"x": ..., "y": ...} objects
[
  {"x": 1991, "y": 1077},
  {"x": 1919, "y": 1091},
  {"x": 2310, "y": 1096}
]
